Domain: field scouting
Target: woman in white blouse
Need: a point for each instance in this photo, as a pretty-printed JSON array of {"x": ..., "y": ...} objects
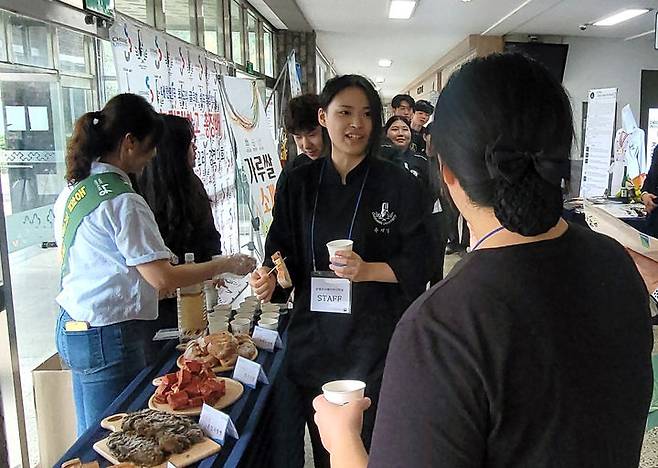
[{"x": 114, "y": 261}]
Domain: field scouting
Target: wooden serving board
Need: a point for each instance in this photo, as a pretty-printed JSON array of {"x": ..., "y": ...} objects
[
  {"x": 194, "y": 454},
  {"x": 234, "y": 391}
]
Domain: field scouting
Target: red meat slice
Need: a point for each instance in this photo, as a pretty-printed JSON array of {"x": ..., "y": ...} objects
[
  {"x": 178, "y": 400},
  {"x": 184, "y": 377},
  {"x": 196, "y": 401},
  {"x": 169, "y": 379},
  {"x": 193, "y": 366}
]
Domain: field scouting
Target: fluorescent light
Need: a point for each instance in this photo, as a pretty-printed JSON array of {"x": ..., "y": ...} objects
[
  {"x": 401, "y": 9},
  {"x": 385, "y": 63},
  {"x": 621, "y": 17},
  {"x": 379, "y": 79}
]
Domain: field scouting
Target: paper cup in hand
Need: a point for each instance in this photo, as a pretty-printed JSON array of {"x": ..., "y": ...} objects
[
  {"x": 341, "y": 392},
  {"x": 339, "y": 245}
]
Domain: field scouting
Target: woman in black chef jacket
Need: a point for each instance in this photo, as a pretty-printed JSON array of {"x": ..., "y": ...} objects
[{"x": 351, "y": 195}]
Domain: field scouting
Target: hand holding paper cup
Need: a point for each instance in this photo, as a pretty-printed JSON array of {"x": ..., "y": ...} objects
[
  {"x": 340, "y": 392},
  {"x": 344, "y": 245}
]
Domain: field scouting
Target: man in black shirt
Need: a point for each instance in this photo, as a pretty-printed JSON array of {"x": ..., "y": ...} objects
[
  {"x": 403, "y": 105},
  {"x": 301, "y": 121},
  {"x": 421, "y": 116}
]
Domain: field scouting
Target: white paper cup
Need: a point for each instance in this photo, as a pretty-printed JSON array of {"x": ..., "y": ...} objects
[
  {"x": 270, "y": 315},
  {"x": 340, "y": 244},
  {"x": 246, "y": 316},
  {"x": 240, "y": 326},
  {"x": 269, "y": 307},
  {"x": 247, "y": 307},
  {"x": 340, "y": 392},
  {"x": 217, "y": 324},
  {"x": 223, "y": 310},
  {"x": 269, "y": 323}
]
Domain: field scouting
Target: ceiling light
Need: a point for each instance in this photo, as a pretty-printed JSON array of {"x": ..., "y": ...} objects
[
  {"x": 621, "y": 17},
  {"x": 380, "y": 79},
  {"x": 401, "y": 9},
  {"x": 385, "y": 63},
  {"x": 466, "y": 1}
]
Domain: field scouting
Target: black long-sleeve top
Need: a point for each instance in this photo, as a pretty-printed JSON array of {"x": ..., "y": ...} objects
[
  {"x": 389, "y": 227},
  {"x": 651, "y": 182}
]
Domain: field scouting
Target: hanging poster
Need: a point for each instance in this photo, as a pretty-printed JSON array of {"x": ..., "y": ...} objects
[
  {"x": 294, "y": 73},
  {"x": 257, "y": 153},
  {"x": 599, "y": 133},
  {"x": 179, "y": 79}
]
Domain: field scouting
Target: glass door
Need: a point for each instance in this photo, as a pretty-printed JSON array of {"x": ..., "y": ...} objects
[{"x": 37, "y": 113}]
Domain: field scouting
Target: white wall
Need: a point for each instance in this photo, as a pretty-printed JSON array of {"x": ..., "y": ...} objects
[{"x": 607, "y": 63}]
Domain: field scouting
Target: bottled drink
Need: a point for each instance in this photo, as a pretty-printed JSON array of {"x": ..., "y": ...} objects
[{"x": 192, "y": 318}]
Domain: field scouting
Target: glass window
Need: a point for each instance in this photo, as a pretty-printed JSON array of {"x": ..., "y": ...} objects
[
  {"x": 236, "y": 32},
  {"x": 75, "y": 101},
  {"x": 73, "y": 48},
  {"x": 252, "y": 39},
  {"x": 213, "y": 26},
  {"x": 177, "y": 19},
  {"x": 268, "y": 55},
  {"x": 3, "y": 39},
  {"x": 133, "y": 8},
  {"x": 30, "y": 42},
  {"x": 109, "y": 82}
]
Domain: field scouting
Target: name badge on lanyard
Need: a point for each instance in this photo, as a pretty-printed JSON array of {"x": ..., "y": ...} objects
[{"x": 330, "y": 293}]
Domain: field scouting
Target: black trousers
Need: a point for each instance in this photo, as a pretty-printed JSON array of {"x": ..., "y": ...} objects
[{"x": 292, "y": 405}]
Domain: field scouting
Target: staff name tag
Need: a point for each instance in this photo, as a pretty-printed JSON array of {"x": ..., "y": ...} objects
[
  {"x": 266, "y": 339},
  {"x": 216, "y": 424},
  {"x": 249, "y": 372},
  {"x": 330, "y": 294}
]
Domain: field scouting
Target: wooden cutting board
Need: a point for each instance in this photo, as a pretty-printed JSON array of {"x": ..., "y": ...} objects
[{"x": 194, "y": 454}]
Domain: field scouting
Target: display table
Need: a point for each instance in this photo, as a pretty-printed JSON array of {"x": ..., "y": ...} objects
[
  {"x": 246, "y": 413},
  {"x": 578, "y": 217}
]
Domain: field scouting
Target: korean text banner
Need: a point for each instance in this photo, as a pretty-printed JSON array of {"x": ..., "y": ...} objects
[
  {"x": 177, "y": 78},
  {"x": 256, "y": 148}
]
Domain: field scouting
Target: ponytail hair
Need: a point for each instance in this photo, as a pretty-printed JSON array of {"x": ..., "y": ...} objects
[{"x": 98, "y": 133}]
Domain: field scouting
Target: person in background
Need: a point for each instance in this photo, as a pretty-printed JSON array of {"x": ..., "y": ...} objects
[
  {"x": 650, "y": 194},
  {"x": 536, "y": 350},
  {"x": 179, "y": 202},
  {"x": 114, "y": 261},
  {"x": 441, "y": 207},
  {"x": 403, "y": 105},
  {"x": 422, "y": 113},
  {"x": 350, "y": 194},
  {"x": 301, "y": 121},
  {"x": 396, "y": 147}
]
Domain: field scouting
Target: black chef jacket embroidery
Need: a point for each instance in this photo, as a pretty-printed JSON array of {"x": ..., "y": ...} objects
[{"x": 323, "y": 347}]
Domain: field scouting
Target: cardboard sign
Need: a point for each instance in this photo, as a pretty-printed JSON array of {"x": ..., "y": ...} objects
[
  {"x": 216, "y": 424},
  {"x": 249, "y": 372}
]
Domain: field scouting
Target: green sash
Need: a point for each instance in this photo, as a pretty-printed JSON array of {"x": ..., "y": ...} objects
[{"x": 85, "y": 197}]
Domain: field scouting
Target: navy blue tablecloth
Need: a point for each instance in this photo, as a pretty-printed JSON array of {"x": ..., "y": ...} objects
[{"x": 246, "y": 413}]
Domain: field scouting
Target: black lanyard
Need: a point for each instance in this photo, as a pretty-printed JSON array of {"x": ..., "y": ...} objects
[{"x": 315, "y": 207}]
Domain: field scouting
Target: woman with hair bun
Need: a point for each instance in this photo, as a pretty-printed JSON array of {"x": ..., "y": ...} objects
[
  {"x": 114, "y": 261},
  {"x": 535, "y": 350}
]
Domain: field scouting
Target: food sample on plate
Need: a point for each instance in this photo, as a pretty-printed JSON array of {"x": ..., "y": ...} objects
[
  {"x": 190, "y": 387},
  {"x": 148, "y": 437},
  {"x": 282, "y": 275},
  {"x": 220, "y": 349}
]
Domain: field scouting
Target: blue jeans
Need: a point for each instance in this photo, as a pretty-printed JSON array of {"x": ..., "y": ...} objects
[{"x": 103, "y": 361}]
